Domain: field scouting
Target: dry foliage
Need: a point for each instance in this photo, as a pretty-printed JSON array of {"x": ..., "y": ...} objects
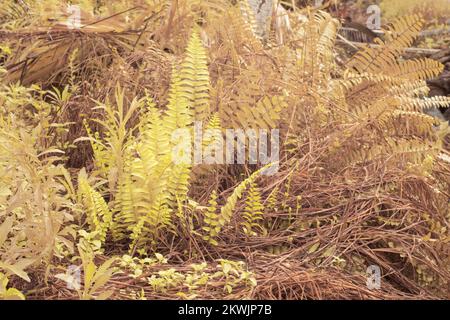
[{"x": 86, "y": 117}]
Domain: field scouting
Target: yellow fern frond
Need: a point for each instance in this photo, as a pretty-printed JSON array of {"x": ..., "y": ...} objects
[
  {"x": 272, "y": 200},
  {"x": 98, "y": 214},
  {"x": 253, "y": 211},
  {"x": 266, "y": 114},
  {"x": 226, "y": 212},
  {"x": 215, "y": 222},
  {"x": 178, "y": 114},
  {"x": 399, "y": 36},
  {"x": 194, "y": 77},
  {"x": 212, "y": 139},
  {"x": 416, "y": 69},
  {"x": 211, "y": 220},
  {"x": 249, "y": 17},
  {"x": 420, "y": 104}
]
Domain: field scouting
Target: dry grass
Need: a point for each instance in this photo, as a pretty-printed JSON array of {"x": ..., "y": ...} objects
[{"x": 333, "y": 217}]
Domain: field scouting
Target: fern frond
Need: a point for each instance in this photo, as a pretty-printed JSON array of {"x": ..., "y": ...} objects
[
  {"x": 213, "y": 126},
  {"x": 154, "y": 141},
  {"x": 136, "y": 234},
  {"x": 123, "y": 208},
  {"x": 420, "y": 104},
  {"x": 178, "y": 184},
  {"x": 399, "y": 36},
  {"x": 215, "y": 222},
  {"x": 249, "y": 17},
  {"x": 212, "y": 143},
  {"x": 327, "y": 28},
  {"x": 101, "y": 155},
  {"x": 265, "y": 114},
  {"x": 226, "y": 212},
  {"x": 253, "y": 211},
  {"x": 416, "y": 69},
  {"x": 194, "y": 77},
  {"x": 401, "y": 33},
  {"x": 98, "y": 214},
  {"x": 272, "y": 200},
  {"x": 126, "y": 200},
  {"x": 410, "y": 89},
  {"x": 412, "y": 150},
  {"x": 211, "y": 220},
  {"x": 178, "y": 114},
  {"x": 149, "y": 226},
  {"x": 411, "y": 123}
]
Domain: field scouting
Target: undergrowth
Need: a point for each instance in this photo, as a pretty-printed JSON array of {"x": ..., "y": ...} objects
[{"x": 91, "y": 199}]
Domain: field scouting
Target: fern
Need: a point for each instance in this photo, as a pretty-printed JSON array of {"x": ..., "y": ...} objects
[
  {"x": 253, "y": 211},
  {"x": 399, "y": 36},
  {"x": 211, "y": 220},
  {"x": 178, "y": 114},
  {"x": 126, "y": 200},
  {"x": 249, "y": 17},
  {"x": 272, "y": 200},
  {"x": 385, "y": 98},
  {"x": 215, "y": 223},
  {"x": 212, "y": 140},
  {"x": 410, "y": 150},
  {"x": 98, "y": 214},
  {"x": 109, "y": 149},
  {"x": 213, "y": 126},
  {"x": 194, "y": 78},
  {"x": 416, "y": 69},
  {"x": 264, "y": 114},
  {"x": 152, "y": 185}
]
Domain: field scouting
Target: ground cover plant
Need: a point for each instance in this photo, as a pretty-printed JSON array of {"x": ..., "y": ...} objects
[{"x": 105, "y": 192}]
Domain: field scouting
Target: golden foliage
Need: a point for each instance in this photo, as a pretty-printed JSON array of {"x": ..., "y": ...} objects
[{"x": 362, "y": 175}]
